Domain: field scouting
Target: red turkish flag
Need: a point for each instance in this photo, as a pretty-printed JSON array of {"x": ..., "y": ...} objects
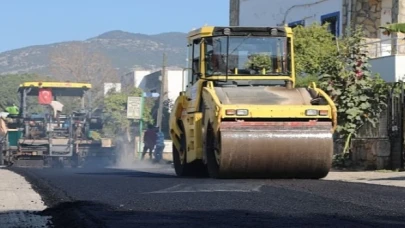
[{"x": 45, "y": 96}]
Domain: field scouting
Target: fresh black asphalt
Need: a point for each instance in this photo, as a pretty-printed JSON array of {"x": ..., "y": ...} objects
[{"x": 156, "y": 198}]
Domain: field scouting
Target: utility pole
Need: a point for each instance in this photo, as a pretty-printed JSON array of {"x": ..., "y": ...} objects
[{"x": 163, "y": 92}]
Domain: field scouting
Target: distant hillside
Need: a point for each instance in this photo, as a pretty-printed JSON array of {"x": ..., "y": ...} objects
[{"x": 125, "y": 50}]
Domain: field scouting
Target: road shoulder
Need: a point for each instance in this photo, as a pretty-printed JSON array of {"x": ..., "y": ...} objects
[
  {"x": 19, "y": 202},
  {"x": 63, "y": 210},
  {"x": 381, "y": 177}
]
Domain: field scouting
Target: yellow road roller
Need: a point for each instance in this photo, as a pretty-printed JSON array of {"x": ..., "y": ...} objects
[{"x": 241, "y": 115}]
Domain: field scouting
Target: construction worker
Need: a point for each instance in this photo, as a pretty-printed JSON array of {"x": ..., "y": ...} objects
[
  {"x": 160, "y": 145},
  {"x": 13, "y": 109},
  {"x": 57, "y": 108},
  {"x": 3, "y": 134},
  {"x": 149, "y": 140}
]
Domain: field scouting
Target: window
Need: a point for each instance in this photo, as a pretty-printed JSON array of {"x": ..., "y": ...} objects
[
  {"x": 334, "y": 20},
  {"x": 189, "y": 63},
  {"x": 212, "y": 49},
  {"x": 196, "y": 60},
  {"x": 296, "y": 23},
  {"x": 289, "y": 47},
  {"x": 248, "y": 55},
  {"x": 193, "y": 61}
]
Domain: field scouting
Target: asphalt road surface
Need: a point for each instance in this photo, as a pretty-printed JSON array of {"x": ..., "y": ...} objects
[{"x": 156, "y": 198}]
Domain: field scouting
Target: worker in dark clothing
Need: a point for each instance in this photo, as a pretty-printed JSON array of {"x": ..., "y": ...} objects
[
  {"x": 160, "y": 145},
  {"x": 149, "y": 140}
]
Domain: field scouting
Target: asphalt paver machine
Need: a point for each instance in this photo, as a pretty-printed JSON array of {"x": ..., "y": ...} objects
[{"x": 54, "y": 138}]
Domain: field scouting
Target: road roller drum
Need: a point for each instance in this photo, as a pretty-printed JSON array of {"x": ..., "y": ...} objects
[{"x": 273, "y": 149}]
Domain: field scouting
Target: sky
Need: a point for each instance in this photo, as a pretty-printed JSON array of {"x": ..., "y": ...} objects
[{"x": 27, "y": 22}]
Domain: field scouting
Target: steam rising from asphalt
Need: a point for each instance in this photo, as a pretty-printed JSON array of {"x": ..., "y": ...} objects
[{"x": 129, "y": 158}]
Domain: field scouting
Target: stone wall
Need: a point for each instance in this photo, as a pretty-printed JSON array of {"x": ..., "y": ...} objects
[
  {"x": 369, "y": 154},
  {"x": 363, "y": 12},
  {"x": 371, "y": 149},
  {"x": 367, "y": 13}
]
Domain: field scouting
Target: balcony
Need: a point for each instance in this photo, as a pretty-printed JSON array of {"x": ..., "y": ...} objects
[{"x": 387, "y": 58}]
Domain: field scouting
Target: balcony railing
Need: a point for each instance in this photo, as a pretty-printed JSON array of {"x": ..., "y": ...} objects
[{"x": 385, "y": 47}]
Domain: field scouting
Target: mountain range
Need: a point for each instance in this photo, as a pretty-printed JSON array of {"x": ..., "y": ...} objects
[{"x": 125, "y": 50}]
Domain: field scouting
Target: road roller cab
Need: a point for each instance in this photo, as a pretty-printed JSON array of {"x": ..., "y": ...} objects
[{"x": 241, "y": 116}]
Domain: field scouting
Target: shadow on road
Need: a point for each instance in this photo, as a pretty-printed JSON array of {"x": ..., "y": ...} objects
[
  {"x": 389, "y": 178},
  {"x": 92, "y": 214},
  {"x": 127, "y": 173},
  {"x": 134, "y": 172}
]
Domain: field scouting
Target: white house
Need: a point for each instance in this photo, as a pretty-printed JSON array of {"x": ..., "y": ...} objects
[
  {"x": 134, "y": 78},
  {"x": 387, "y": 52},
  {"x": 150, "y": 81},
  {"x": 109, "y": 85}
]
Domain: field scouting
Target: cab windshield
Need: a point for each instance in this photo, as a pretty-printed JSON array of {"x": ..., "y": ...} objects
[{"x": 248, "y": 55}]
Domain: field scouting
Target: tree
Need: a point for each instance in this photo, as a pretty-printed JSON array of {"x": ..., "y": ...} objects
[
  {"x": 115, "y": 109},
  {"x": 359, "y": 96},
  {"x": 340, "y": 67},
  {"x": 77, "y": 62},
  {"x": 260, "y": 61},
  {"x": 8, "y": 90},
  {"x": 393, "y": 28},
  {"x": 315, "y": 50}
]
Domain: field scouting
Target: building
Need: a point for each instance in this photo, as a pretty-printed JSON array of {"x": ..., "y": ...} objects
[
  {"x": 134, "y": 78},
  {"x": 281, "y": 12},
  {"x": 387, "y": 52},
  {"x": 150, "y": 81},
  {"x": 109, "y": 85}
]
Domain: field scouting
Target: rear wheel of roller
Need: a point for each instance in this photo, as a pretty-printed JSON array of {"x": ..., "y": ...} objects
[
  {"x": 177, "y": 160},
  {"x": 183, "y": 169},
  {"x": 212, "y": 151},
  {"x": 212, "y": 145}
]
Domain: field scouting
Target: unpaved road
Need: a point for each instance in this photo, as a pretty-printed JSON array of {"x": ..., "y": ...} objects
[{"x": 155, "y": 198}]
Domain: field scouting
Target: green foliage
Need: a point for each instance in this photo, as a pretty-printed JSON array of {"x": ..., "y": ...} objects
[
  {"x": 396, "y": 89},
  {"x": 394, "y": 27},
  {"x": 342, "y": 64},
  {"x": 340, "y": 67},
  {"x": 9, "y": 86},
  {"x": 95, "y": 135},
  {"x": 115, "y": 109},
  {"x": 359, "y": 96},
  {"x": 342, "y": 160},
  {"x": 314, "y": 50},
  {"x": 305, "y": 81},
  {"x": 259, "y": 61}
]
